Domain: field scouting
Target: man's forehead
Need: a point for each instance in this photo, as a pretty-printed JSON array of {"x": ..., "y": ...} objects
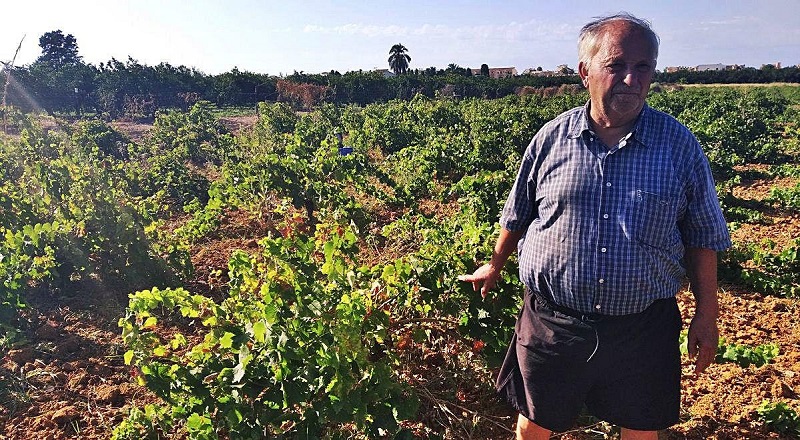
[{"x": 625, "y": 43}]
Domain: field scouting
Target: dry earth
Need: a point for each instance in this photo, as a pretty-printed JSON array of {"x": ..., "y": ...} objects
[{"x": 68, "y": 379}]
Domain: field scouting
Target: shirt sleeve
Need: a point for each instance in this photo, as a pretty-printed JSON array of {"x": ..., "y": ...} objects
[
  {"x": 518, "y": 211},
  {"x": 704, "y": 225}
]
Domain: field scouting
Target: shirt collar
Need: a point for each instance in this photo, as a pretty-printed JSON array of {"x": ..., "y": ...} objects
[
  {"x": 580, "y": 124},
  {"x": 641, "y": 131}
]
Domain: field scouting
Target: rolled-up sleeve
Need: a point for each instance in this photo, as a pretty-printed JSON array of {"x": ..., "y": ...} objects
[
  {"x": 704, "y": 225},
  {"x": 519, "y": 210}
]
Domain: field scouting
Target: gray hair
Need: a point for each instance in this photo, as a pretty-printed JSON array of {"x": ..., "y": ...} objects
[{"x": 592, "y": 31}]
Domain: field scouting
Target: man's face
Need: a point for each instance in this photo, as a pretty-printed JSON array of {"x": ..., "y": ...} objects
[{"x": 618, "y": 76}]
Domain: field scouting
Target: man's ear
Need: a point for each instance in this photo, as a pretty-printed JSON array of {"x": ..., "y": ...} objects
[{"x": 583, "y": 71}]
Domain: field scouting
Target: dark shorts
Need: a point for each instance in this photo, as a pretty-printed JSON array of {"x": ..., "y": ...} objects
[{"x": 625, "y": 369}]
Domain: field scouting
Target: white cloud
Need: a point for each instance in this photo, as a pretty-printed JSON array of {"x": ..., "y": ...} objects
[
  {"x": 531, "y": 30},
  {"x": 432, "y": 30},
  {"x": 358, "y": 29},
  {"x": 283, "y": 30},
  {"x": 728, "y": 22},
  {"x": 511, "y": 32}
]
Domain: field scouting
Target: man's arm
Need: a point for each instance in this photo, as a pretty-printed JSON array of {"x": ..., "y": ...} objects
[
  {"x": 485, "y": 277},
  {"x": 703, "y": 334}
]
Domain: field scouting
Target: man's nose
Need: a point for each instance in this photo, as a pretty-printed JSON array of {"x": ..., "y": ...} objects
[{"x": 630, "y": 76}]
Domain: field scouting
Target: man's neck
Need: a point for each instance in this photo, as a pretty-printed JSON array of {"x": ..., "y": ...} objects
[
  {"x": 611, "y": 136},
  {"x": 610, "y": 132}
]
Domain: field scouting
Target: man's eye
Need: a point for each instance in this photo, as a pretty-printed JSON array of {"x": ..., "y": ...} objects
[{"x": 643, "y": 67}]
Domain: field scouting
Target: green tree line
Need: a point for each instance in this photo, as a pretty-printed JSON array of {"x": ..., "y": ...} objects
[{"x": 60, "y": 81}]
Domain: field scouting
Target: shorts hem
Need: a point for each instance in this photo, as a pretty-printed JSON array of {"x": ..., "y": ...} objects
[
  {"x": 524, "y": 413},
  {"x": 658, "y": 427}
]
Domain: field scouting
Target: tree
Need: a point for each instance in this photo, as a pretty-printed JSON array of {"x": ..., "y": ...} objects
[
  {"x": 430, "y": 71},
  {"x": 485, "y": 69},
  {"x": 457, "y": 70},
  {"x": 58, "y": 50},
  {"x": 399, "y": 59},
  {"x": 59, "y": 80}
]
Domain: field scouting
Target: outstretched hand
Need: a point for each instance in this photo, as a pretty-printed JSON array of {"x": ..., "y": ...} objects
[{"x": 483, "y": 279}]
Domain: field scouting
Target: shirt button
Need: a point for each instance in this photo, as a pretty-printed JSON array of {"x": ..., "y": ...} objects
[
  {"x": 597, "y": 306},
  {"x": 608, "y": 183},
  {"x": 605, "y": 215},
  {"x": 601, "y": 281},
  {"x": 622, "y": 144},
  {"x": 603, "y": 250}
]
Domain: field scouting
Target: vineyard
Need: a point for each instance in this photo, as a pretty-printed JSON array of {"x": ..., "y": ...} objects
[{"x": 297, "y": 277}]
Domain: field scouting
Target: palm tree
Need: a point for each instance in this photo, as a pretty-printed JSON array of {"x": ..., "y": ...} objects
[{"x": 398, "y": 59}]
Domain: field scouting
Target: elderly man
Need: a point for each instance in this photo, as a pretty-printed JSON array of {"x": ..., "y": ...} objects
[{"x": 613, "y": 206}]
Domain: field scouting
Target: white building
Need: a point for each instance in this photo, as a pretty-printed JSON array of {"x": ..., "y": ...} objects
[{"x": 707, "y": 67}]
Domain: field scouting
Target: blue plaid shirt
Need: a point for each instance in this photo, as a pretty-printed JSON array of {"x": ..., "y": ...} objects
[{"x": 606, "y": 228}]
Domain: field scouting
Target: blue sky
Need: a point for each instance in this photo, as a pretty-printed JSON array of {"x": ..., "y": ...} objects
[{"x": 279, "y": 37}]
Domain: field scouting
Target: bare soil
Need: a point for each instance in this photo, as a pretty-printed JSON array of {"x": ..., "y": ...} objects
[{"x": 67, "y": 379}]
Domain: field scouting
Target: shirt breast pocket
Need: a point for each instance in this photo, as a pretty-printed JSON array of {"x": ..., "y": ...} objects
[{"x": 654, "y": 218}]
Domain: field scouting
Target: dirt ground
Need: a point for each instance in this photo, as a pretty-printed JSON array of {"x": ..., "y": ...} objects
[{"x": 67, "y": 380}]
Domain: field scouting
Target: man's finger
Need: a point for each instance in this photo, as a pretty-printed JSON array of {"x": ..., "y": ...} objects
[
  {"x": 476, "y": 285},
  {"x": 692, "y": 346},
  {"x": 705, "y": 358}
]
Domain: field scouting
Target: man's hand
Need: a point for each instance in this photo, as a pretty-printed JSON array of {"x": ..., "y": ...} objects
[
  {"x": 703, "y": 334},
  {"x": 702, "y": 340},
  {"x": 483, "y": 279}
]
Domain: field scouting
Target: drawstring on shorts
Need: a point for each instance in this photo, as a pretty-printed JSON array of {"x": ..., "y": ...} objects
[
  {"x": 596, "y": 345},
  {"x": 587, "y": 318}
]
